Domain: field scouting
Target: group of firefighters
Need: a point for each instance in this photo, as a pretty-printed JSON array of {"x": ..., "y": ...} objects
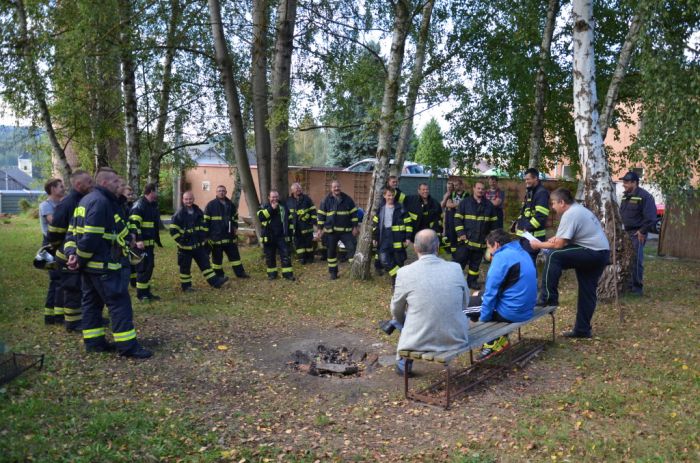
[{"x": 101, "y": 241}]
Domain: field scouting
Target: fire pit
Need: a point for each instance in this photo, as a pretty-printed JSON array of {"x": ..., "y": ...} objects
[{"x": 328, "y": 361}]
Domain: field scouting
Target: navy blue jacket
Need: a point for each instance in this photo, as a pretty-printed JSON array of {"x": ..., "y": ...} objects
[
  {"x": 101, "y": 236},
  {"x": 534, "y": 212},
  {"x": 144, "y": 221},
  {"x": 638, "y": 211}
]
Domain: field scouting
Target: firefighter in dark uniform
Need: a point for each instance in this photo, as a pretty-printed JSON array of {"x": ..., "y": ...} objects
[
  {"x": 59, "y": 237},
  {"x": 389, "y": 234},
  {"x": 638, "y": 211},
  {"x": 474, "y": 220},
  {"x": 221, "y": 218},
  {"x": 144, "y": 223},
  {"x": 101, "y": 252},
  {"x": 425, "y": 212},
  {"x": 337, "y": 222},
  {"x": 126, "y": 199},
  {"x": 54, "y": 296},
  {"x": 534, "y": 212},
  {"x": 393, "y": 183},
  {"x": 276, "y": 236},
  {"x": 189, "y": 231},
  {"x": 302, "y": 216},
  {"x": 450, "y": 202}
]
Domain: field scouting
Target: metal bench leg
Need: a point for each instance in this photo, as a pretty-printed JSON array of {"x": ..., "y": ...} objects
[
  {"x": 554, "y": 336},
  {"x": 520, "y": 337},
  {"x": 447, "y": 388},
  {"x": 405, "y": 379}
]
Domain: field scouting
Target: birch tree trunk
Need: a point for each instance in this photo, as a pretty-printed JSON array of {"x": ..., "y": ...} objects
[
  {"x": 58, "y": 155},
  {"x": 537, "y": 134},
  {"x": 164, "y": 103},
  {"x": 599, "y": 192},
  {"x": 402, "y": 22},
  {"x": 623, "y": 62},
  {"x": 133, "y": 150},
  {"x": 413, "y": 89},
  {"x": 258, "y": 78},
  {"x": 228, "y": 80},
  {"x": 281, "y": 74}
]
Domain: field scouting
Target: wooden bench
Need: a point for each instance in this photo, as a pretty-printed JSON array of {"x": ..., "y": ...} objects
[{"x": 479, "y": 333}]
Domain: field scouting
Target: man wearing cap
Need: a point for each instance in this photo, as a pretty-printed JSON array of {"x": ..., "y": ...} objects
[{"x": 638, "y": 211}]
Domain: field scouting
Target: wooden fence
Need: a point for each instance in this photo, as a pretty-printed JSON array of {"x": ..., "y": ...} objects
[{"x": 680, "y": 232}]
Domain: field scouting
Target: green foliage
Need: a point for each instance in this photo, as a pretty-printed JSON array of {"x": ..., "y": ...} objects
[
  {"x": 431, "y": 148},
  {"x": 498, "y": 43},
  {"x": 309, "y": 147},
  {"x": 669, "y": 82},
  {"x": 353, "y": 104}
]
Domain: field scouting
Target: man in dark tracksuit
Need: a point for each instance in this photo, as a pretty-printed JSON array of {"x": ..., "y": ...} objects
[
  {"x": 474, "y": 220},
  {"x": 189, "y": 231},
  {"x": 337, "y": 221},
  {"x": 274, "y": 219},
  {"x": 60, "y": 236},
  {"x": 425, "y": 212},
  {"x": 389, "y": 234},
  {"x": 101, "y": 252},
  {"x": 144, "y": 223},
  {"x": 221, "y": 218},
  {"x": 638, "y": 211},
  {"x": 302, "y": 216},
  {"x": 534, "y": 211}
]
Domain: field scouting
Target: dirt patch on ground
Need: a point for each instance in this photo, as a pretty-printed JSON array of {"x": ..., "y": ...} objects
[{"x": 237, "y": 378}]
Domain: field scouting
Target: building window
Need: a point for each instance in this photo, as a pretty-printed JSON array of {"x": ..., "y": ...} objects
[
  {"x": 206, "y": 186},
  {"x": 566, "y": 172}
]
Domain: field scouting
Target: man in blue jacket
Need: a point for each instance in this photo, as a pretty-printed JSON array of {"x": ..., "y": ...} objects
[{"x": 511, "y": 287}]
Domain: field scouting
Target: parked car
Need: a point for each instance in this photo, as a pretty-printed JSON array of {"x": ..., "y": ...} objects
[
  {"x": 367, "y": 165},
  {"x": 660, "y": 209}
]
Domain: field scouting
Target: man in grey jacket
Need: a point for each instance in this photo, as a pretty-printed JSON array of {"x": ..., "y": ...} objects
[{"x": 429, "y": 300}]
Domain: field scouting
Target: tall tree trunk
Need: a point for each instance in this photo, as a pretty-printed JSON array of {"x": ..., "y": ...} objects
[
  {"x": 281, "y": 74},
  {"x": 258, "y": 78},
  {"x": 58, "y": 155},
  {"x": 156, "y": 155},
  {"x": 413, "y": 89},
  {"x": 228, "y": 80},
  {"x": 133, "y": 149},
  {"x": 402, "y": 22},
  {"x": 623, "y": 61},
  {"x": 599, "y": 191},
  {"x": 537, "y": 134}
]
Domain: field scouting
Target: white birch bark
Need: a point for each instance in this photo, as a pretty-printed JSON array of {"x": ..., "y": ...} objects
[
  {"x": 599, "y": 191},
  {"x": 363, "y": 255},
  {"x": 413, "y": 89}
]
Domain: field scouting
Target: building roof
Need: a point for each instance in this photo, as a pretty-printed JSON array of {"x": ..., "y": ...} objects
[{"x": 12, "y": 178}]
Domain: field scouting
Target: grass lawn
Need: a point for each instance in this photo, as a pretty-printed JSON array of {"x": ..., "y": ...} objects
[{"x": 219, "y": 387}]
